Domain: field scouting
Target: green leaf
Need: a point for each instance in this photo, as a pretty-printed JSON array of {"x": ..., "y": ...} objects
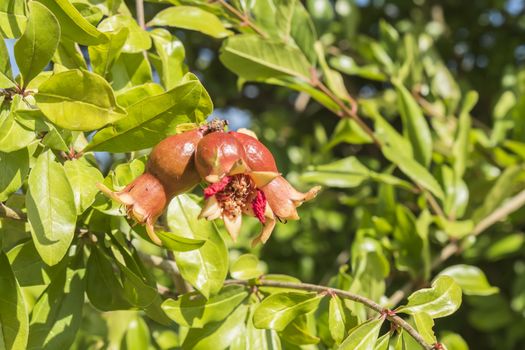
[
  {"x": 415, "y": 127},
  {"x": 57, "y": 314},
  {"x": 150, "y": 120},
  {"x": 471, "y": 279},
  {"x": 14, "y": 324},
  {"x": 217, "y": 335},
  {"x": 424, "y": 324},
  {"x": 193, "y": 18},
  {"x": 204, "y": 268},
  {"x": 179, "y": 243},
  {"x": 13, "y": 135},
  {"x": 27, "y": 265},
  {"x": 50, "y": 208},
  {"x": 442, "y": 299},
  {"x": 256, "y": 339},
  {"x": 137, "y": 39},
  {"x": 193, "y": 310},
  {"x": 135, "y": 94},
  {"x": 130, "y": 70},
  {"x": 414, "y": 171},
  {"x": 337, "y": 319},
  {"x": 246, "y": 267},
  {"x": 15, "y": 166},
  {"x": 103, "y": 56},
  {"x": 460, "y": 149},
  {"x": 34, "y": 49},
  {"x": 73, "y": 25},
  {"x": 254, "y": 58},
  {"x": 453, "y": 341},
  {"x": 504, "y": 187},
  {"x": 347, "y": 65},
  {"x": 363, "y": 336},
  {"x": 382, "y": 342},
  {"x": 171, "y": 53},
  {"x": 68, "y": 54},
  {"x": 137, "y": 335},
  {"x": 279, "y": 310},
  {"x": 12, "y": 18},
  {"x": 83, "y": 178},
  {"x": 78, "y": 100},
  {"x": 103, "y": 287},
  {"x": 297, "y": 332}
]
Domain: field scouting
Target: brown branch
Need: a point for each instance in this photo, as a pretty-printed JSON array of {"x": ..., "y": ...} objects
[
  {"x": 390, "y": 315},
  {"x": 243, "y": 17},
  {"x": 139, "y": 8},
  {"x": 454, "y": 247}
]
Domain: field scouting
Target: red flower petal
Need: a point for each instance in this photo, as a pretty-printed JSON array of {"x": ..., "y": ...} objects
[
  {"x": 214, "y": 188},
  {"x": 259, "y": 206}
]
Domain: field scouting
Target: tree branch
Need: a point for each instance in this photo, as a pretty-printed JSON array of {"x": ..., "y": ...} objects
[
  {"x": 139, "y": 8},
  {"x": 390, "y": 315},
  {"x": 243, "y": 17},
  {"x": 453, "y": 248}
]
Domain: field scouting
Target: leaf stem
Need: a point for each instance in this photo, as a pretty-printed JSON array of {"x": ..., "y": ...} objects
[
  {"x": 10, "y": 213},
  {"x": 243, "y": 17},
  {"x": 390, "y": 315},
  {"x": 455, "y": 247}
]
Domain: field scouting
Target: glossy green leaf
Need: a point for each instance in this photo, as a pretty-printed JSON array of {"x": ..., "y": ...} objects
[
  {"x": 179, "y": 243},
  {"x": 34, "y": 49},
  {"x": 256, "y": 339},
  {"x": 73, "y": 25},
  {"x": 424, "y": 324},
  {"x": 415, "y": 127},
  {"x": 15, "y": 166},
  {"x": 50, "y": 208},
  {"x": 68, "y": 54},
  {"x": 150, "y": 120},
  {"x": 246, "y": 267},
  {"x": 217, "y": 335},
  {"x": 57, "y": 315},
  {"x": 204, "y": 268},
  {"x": 336, "y": 319},
  {"x": 347, "y": 65},
  {"x": 13, "y": 135},
  {"x": 298, "y": 332},
  {"x": 254, "y": 58},
  {"x": 471, "y": 279},
  {"x": 14, "y": 324},
  {"x": 130, "y": 70},
  {"x": 442, "y": 299},
  {"x": 78, "y": 100},
  {"x": 363, "y": 336},
  {"x": 193, "y": 310},
  {"x": 172, "y": 54},
  {"x": 128, "y": 97},
  {"x": 12, "y": 18},
  {"x": 414, "y": 171},
  {"x": 83, "y": 178},
  {"x": 136, "y": 38},
  {"x": 103, "y": 56},
  {"x": 278, "y": 310},
  {"x": 193, "y": 18}
]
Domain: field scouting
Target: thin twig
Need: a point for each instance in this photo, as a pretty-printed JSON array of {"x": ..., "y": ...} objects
[
  {"x": 454, "y": 248},
  {"x": 390, "y": 315},
  {"x": 139, "y": 7},
  {"x": 244, "y": 18}
]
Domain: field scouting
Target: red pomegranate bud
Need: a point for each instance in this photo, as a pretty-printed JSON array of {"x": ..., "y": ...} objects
[
  {"x": 257, "y": 156},
  {"x": 217, "y": 154},
  {"x": 144, "y": 199},
  {"x": 172, "y": 161}
]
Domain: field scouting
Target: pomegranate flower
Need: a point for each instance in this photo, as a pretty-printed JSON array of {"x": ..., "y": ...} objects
[{"x": 252, "y": 186}]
